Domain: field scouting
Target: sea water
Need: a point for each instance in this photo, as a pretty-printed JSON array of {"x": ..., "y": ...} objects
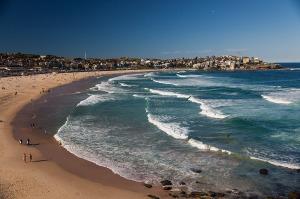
[{"x": 164, "y": 125}]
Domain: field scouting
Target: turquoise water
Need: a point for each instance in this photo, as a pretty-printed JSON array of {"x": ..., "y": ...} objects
[{"x": 162, "y": 125}]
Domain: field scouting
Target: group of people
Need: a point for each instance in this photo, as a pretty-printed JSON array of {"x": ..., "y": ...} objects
[
  {"x": 25, "y": 155},
  {"x": 27, "y": 141}
]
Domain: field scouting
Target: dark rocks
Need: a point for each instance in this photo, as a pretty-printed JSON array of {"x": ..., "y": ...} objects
[
  {"x": 264, "y": 171},
  {"x": 182, "y": 183},
  {"x": 196, "y": 170},
  {"x": 216, "y": 194},
  {"x": 148, "y": 185},
  {"x": 195, "y": 194},
  {"x": 167, "y": 188},
  {"x": 174, "y": 195},
  {"x": 294, "y": 195},
  {"x": 166, "y": 183},
  {"x": 153, "y": 196}
]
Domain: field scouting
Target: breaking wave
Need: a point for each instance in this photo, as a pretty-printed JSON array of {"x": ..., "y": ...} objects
[
  {"x": 172, "y": 129},
  {"x": 205, "y": 147},
  {"x": 165, "y": 82},
  {"x": 277, "y": 163},
  {"x": 168, "y": 93},
  {"x": 208, "y": 110},
  {"x": 94, "y": 99},
  {"x": 205, "y": 108},
  {"x": 125, "y": 77},
  {"x": 108, "y": 88},
  {"x": 126, "y": 85},
  {"x": 275, "y": 100},
  {"x": 188, "y": 76}
]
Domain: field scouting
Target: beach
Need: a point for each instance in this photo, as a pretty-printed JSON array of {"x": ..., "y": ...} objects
[
  {"x": 44, "y": 177},
  {"x": 105, "y": 134}
]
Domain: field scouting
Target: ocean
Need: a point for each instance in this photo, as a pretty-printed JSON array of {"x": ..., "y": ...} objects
[{"x": 172, "y": 125}]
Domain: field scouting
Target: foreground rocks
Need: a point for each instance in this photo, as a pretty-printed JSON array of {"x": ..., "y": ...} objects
[
  {"x": 166, "y": 183},
  {"x": 294, "y": 195},
  {"x": 147, "y": 185},
  {"x": 152, "y": 196},
  {"x": 196, "y": 170}
]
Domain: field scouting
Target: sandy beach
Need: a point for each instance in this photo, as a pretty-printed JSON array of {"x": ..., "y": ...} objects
[{"x": 64, "y": 177}]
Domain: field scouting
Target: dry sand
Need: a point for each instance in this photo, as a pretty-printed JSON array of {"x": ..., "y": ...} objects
[{"x": 47, "y": 179}]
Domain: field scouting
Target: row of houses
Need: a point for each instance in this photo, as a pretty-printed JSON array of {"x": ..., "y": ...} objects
[{"x": 23, "y": 64}]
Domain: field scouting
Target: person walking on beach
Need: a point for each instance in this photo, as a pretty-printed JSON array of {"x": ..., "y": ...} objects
[
  {"x": 28, "y": 141},
  {"x": 24, "y": 157},
  {"x": 30, "y": 157}
]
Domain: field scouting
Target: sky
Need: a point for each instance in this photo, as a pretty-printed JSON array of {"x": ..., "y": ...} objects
[{"x": 269, "y": 29}]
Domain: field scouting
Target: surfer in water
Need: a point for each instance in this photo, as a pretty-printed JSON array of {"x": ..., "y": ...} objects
[{"x": 189, "y": 97}]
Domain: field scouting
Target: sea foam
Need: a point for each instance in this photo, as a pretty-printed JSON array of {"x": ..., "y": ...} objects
[
  {"x": 125, "y": 77},
  {"x": 276, "y": 100},
  {"x": 168, "y": 93},
  {"x": 277, "y": 163},
  {"x": 165, "y": 82},
  {"x": 205, "y": 108},
  {"x": 188, "y": 76},
  {"x": 108, "y": 88},
  {"x": 126, "y": 85},
  {"x": 94, "y": 99},
  {"x": 172, "y": 129},
  {"x": 205, "y": 147}
]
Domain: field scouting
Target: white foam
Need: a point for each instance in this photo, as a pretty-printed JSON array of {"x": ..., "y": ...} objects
[
  {"x": 294, "y": 68},
  {"x": 165, "y": 82},
  {"x": 108, "y": 88},
  {"x": 125, "y": 77},
  {"x": 172, "y": 129},
  {"x": 205, "y": 147},
  {"x": 277, "y": 163},
  {"x": 126, "y": 85},
  {"x": 94, "y": 99},
  {"x": 283, "y": 96},
  {"x": 208, "y": 110},
  {"x": 205, "y": 108},
  {"x": 168, "y": 93},
  {"x": 276, "y": 100},
  {"x": 188, "y": 76},
  {"x": 151, "y": 74}
]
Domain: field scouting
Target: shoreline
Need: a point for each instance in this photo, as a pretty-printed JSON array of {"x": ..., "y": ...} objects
[{"x": 61, "y": 181}]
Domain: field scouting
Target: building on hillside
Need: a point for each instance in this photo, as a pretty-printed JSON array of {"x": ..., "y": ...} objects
[{"x": 246, "y": 60}]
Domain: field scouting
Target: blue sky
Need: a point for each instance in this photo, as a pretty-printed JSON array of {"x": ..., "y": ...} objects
[{"x": 269, "y": 29}]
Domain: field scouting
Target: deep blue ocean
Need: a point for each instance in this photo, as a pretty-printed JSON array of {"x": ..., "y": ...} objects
[{"x": 165, "y": 125}]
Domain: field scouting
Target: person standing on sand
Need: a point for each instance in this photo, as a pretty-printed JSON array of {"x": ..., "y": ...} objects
[
  {"x": 24, "y": 157},
  {"x": 28, "y": 141},
  {"x": 30, "y": 157}
]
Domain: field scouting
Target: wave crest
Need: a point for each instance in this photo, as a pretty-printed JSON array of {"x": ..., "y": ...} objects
[
  {"x": 275, "y": 100},
  {"x": 94, "y": 99},
  {"x": 172, "y": 129},
  {"x": 205, "y": 147}
]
